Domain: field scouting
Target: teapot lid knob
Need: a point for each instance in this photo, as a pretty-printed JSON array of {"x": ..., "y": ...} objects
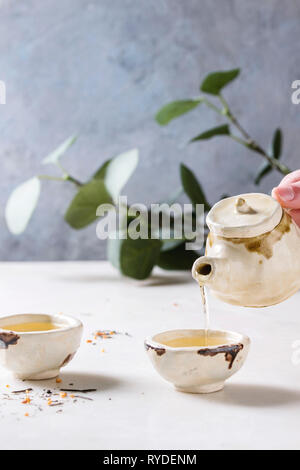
[{"x": 242, "y": 207}]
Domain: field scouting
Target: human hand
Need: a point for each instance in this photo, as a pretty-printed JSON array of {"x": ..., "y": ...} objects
[{"x": 288, "y": 194}]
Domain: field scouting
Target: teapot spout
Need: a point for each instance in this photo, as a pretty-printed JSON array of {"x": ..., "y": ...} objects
[
  {"x": 211, "y": 271},
  {"x": 204, "y": 269}
]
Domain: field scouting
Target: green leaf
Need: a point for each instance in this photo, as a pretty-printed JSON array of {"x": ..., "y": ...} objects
[
  {"x": 82, "y": 210},
  {"x": 175, "y": 109},
  {"x": 214, "y": 82},
  {"x": 100, "y": 174},
  {"x": 220, "y": 130},
  {"x": 224, "y": 196},
  {"x": 266, "y": 168},
  {"x": 277, "y": 144},
  {"x": 54, "y": 156},
  {"x": 177, "y": 258},
  {"x": 21, "y": 204},
  {"x": 192, "y": 187},
  {"x": 117, "y": 171},
  {"x": 171, "y": 244},
  {"x": 134, "y": 258}
]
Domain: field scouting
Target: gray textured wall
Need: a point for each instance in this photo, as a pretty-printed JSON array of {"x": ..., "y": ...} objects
[{"x": 103, "y": 68}]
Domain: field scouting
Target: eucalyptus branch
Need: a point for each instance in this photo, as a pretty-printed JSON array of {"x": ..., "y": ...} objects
[
  {"x": 249, "y": 142},
  {"x": 283, "y": 169},
  {"x": 66, "y": 177}
]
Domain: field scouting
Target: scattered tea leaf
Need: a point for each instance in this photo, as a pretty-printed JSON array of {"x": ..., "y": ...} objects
[{"x": 84, "y": 390}]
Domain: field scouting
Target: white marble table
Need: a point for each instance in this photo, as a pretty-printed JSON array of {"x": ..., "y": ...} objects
[{"x": 133, "y": 407}]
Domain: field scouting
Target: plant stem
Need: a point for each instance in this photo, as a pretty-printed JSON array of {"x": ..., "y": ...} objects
[
  {"x": 66, "y": 177},
  {"x": 226, "y": 111},
  {"x": 52, "y": 178},
  {"x": 73, "y": 180},
  {"x": 211, "y": 105},
  {"x": 249, "y": 142}
]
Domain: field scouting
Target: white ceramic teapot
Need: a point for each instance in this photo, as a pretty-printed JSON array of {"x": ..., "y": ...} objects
[{"x": 252, "y": 252}]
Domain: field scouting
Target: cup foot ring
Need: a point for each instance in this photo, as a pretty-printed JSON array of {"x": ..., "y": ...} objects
[
  {"x": 208, "y": 388},
  {"x": 44, "y": 375}
]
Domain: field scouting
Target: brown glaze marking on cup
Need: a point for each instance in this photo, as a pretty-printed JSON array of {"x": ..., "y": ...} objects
[
  {"x": 8, "y": 339},
  {"x": 159, "y": 351},
  {"x": 230, "y": 351}
]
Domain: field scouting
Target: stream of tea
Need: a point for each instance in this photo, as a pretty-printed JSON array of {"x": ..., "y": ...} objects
[
  {"x": 208, "y": 339},
  {"x": 205, "y": 311}
]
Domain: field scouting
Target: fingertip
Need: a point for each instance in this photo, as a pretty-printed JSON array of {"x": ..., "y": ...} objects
[
  {"x": 276, "y": 195},
  {"x": 285, "y": 195}
]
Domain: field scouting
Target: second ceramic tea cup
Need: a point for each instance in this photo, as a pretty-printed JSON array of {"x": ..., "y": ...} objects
[{"x": 197, "y": 369}]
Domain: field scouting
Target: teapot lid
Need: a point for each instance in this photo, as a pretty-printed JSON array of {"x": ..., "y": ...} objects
[{"x": 244, "y": 216}]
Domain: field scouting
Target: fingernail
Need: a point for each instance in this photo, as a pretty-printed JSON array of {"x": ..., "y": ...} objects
[{"x": 285, "y": 193}]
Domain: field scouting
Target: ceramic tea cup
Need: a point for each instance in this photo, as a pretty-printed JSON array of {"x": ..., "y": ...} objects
[
  {"x": 197, "y": 369},
  {"x": 37, "y": 355}
]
